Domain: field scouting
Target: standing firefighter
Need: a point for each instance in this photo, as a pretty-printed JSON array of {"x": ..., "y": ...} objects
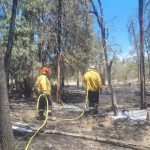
[
  {"x": 93, "y": 84},
  {"x": 43, "y": 86}
]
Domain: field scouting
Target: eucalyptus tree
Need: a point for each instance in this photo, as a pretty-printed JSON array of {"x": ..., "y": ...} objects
[
  {"x": 38, "y": 39},
  {"x": 6, "y": 135},
  {"x": 77, "y": 35},
  {"x": 8, "y": 16},
  {"x": 24, "y": 63},
  {"x": 101, "y": 23},
  {"x": 142, "y": 65},
  {"x": 18, "y": 38}
]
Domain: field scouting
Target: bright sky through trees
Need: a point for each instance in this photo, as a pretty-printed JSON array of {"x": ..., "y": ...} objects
[{"x": 116, "y": 13}]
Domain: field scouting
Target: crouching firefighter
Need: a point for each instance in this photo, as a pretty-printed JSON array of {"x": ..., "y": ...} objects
[
  {"x": 43, "y": 86},
  {"x": 93, "y": 84}
]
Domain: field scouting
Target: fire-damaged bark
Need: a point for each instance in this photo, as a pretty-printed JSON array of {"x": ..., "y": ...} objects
[
  {"x": 142, "y": 65},
  {"x": 6, "y": 134},
  {"x": 59, "y": 52}
]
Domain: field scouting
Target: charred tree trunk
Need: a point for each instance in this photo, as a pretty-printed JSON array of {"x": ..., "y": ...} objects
[
  {"x": 59, "y": 52},
  {"x": 100, "y": 21},
  {"x": 142, "y": 66},
  {"x": 62, "y": 72},
  {"x": 10, "y": 40},
  {"x": 6, "y": 134}
]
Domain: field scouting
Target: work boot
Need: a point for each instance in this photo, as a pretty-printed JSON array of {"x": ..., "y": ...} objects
[
  {"x": 91, "y": 112},
  {"x": 95, "y": 111},
  {"x": 50, "y": 114},
  {"x": 40, "y": 116}
]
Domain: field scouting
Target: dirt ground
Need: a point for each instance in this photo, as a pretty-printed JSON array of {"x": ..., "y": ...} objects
[{"x": 102, "y": 125}]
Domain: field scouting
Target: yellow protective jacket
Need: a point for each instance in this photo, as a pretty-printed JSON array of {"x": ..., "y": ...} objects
[
  {"x": 43, "y": 85},
  {"x": 92, "y": 80}
]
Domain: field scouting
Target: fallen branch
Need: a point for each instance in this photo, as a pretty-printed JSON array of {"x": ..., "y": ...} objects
[{"x": 115, "y": 142}]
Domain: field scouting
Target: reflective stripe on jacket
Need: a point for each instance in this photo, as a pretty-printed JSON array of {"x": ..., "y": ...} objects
[
  {"x": 92, "y": 80},
  {"x": 43, "y": 85}
]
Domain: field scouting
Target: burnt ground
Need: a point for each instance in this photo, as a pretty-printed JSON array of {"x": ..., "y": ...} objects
[{"x": 101, "y": 125}]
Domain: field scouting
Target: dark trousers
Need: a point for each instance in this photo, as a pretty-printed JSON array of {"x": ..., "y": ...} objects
[
  {"x": 43, "y": 105},
  {"x": 93, "y": 97}
]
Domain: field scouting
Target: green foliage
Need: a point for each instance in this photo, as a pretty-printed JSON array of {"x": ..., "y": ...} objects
[{"x": 35, "y": 38}]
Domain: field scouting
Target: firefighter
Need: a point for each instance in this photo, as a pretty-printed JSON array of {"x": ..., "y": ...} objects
[
  {"x": 93, "y": 84},
  {"x": 43, "y": 86}
]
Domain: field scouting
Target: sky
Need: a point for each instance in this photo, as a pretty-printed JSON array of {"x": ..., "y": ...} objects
[{"x": 116, "y": 14}]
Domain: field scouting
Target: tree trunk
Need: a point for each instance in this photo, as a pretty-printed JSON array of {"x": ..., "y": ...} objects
[
  {"x": 100, "y": 21},
  {"x": 142, "y": 66},
  {"x": 62, "y": 72},
  {"x": 10, "y": 40},
  {"x": 58, "y": 79},
  {"x": 59, "y": 51},
  {"x": 120, "y": 143},
  {"x": 77, "y": 78},
  {"x": 113, "y": 94},
  {"x": 6, "y": 134}
]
